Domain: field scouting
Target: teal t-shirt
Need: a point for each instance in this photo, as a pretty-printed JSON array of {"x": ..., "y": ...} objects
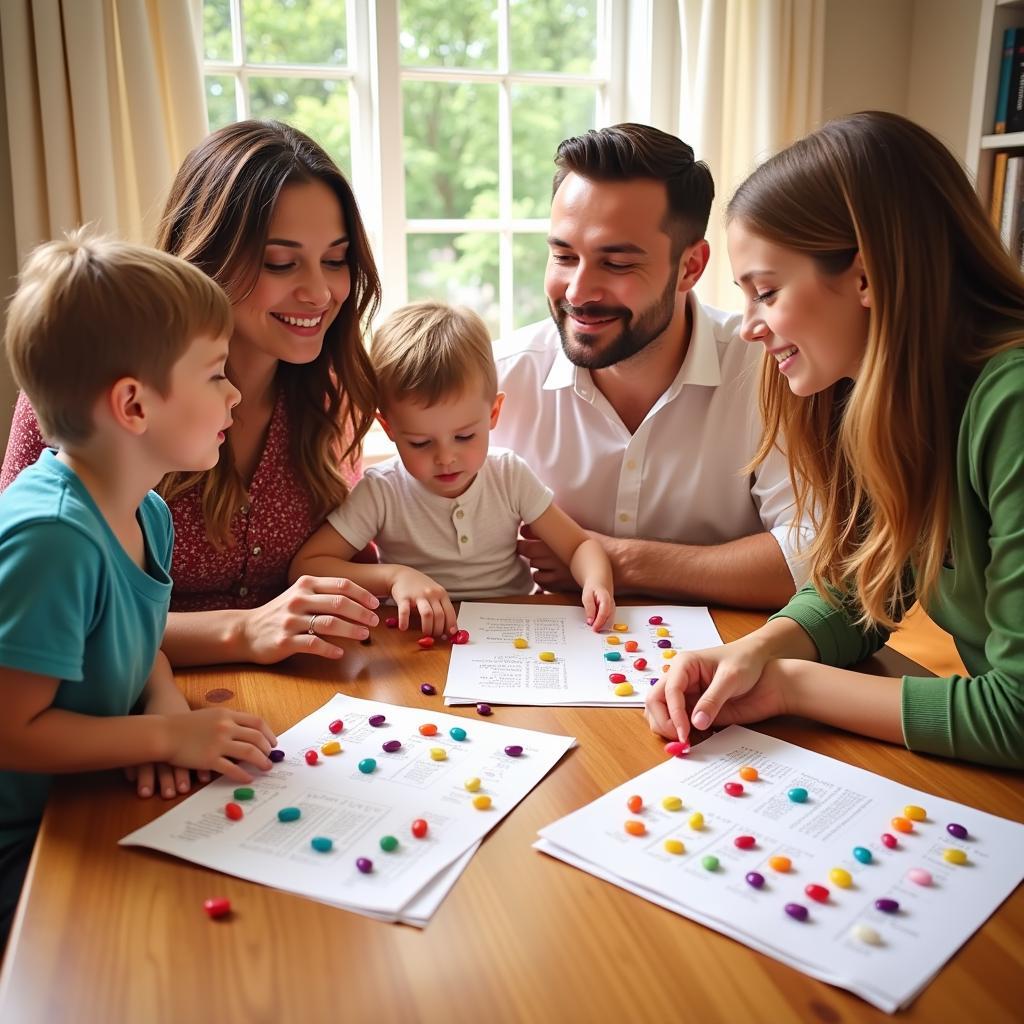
[{"x": 75, "y": 607}]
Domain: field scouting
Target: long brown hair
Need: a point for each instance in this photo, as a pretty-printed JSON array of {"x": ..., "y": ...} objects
[
  {"x": 218, "y": 217},
  {"x": 873, "y": 461}
]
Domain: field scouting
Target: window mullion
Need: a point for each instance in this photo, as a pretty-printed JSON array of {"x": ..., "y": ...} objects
[{"x": 505, "y": 248}]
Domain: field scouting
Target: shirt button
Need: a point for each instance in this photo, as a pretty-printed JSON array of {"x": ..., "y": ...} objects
[
  {"x": 459, "y": 514},
  {"x": 623, "y": 518},
  {"x": 243, "y": 590},
  {"x": 463, "y": 539},
  {"x": 257, "y": 550}
]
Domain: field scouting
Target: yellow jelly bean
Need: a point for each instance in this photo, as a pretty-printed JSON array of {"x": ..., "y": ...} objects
[
  {"x": 954, "y": 856},
  {"x": 520, "y": 643},
  {"x": 546, "y": 655},
  {"x": 623, "y": 689},
  {"x": 331, "y": 747},
  {"x": 672, "y": 803},
  {"x": 439, "y": 753},
  {"x": 481, "y": 801},
  {"x": 696, "y": 821},
  {"x": 914, "y": 813},
  {"x": 748, "y": 774},
  {"x": 613, "y": 640},
  {"x": 662, "y": 631},
  {"x": 472, "y": 784},
  {"x": 620, "y": 627},
  {"x": 674, "y": 846},
  {"x": 670, "y": 653},
  {"x": 635, "y": 828},
  {"x": 780, "y": 864},
  {"x": 841, "y": 877}
]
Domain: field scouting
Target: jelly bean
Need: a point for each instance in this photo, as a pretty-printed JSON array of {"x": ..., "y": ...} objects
[
  {"x": 289, "y": 814},
  {"x": 520, "y": 643},
  {"x": 426, "y": 642},
  {"x": 457, "y": 733},
  {"x": 748, "y": 773},
  {"x": 709, "y": 863},
  {"x": 312, "y": 757},
  {"x": 234, "y": 812},
  {"x": 914, "y": 813},
  {"x": 613, "y": 640},
  {"x": 390, "y": 746},
  {"x": 612, "y": 656},
  {"x": 244, "y": 793},
  {"x": 219, "y": 906},
  {"x": 661, "y": 631},
  {"x": 624, "y": 690},
  {"x": 336, "y": 726},
  {"x": 841, "y": 877},
  {"x": 640, "y": 664},
  {"x": 798, "y": 795},
  {"x": 956, "y": 831},
  {"x": 364, "y": 864},
  {"x": 367, "y": 765},
  {"x": 635, "y": 828},
  {"x": 460, "y": 637},
  {"x": 902, "y": 824},
  {"x": 696, "y": 821},
  {"x": 549, "y": 655},
  {"x": 322, "y": 844},
  {"x": 616, "y": 677},
  {"x": 484, "y": 710},
  {"x": 631, "y": 646},
  {"x": 672, "y": 803},
  {"x": 734, "y": 788},
  {"x": 635, "y": 804},
  {"x": 954, "y": 856},
  {"x": 677, "y": 748},
  {"x": 890, "y": 840},
  {"x": 664, "y": 643},
  {"x": 863, "y": 854},
  {"x": 391, "y": 622},
  {"x": 276, "y": 756},
  {"x": 438, "y": 754},
  {"x": 887, "y": 906},
  {"x": 668, "y": 654},
  {"x": 377, "y": 720},
  {"x": 388, "y": 843},
  {"x": 620, "y": 627},
  {"x": 866, "y": 934},
  {"x": 655, "y": 620},
  {"x": 920, "y": 876},
  {"x": 472, "y": 784},
  {"x": 481, "y": 801},
  {"x": 651, "y": 682},
  {"x": 755, "y": 879},
  {"x": 419, "y": 828},
  {"x": 818, "y": 893},
  {"x": 797, "y": 911},
  {"x": 745, "y": 842},
  {"x": 514, "y": 750},
  {"x": 780, "y": 864},
  {"x": 664, "y": 668},
  {"x": 675, "y": 846},
  {"x": 428, "y": 729},
  {"x": 428, "y": 689},
  {"x": 330, "y": 748}
]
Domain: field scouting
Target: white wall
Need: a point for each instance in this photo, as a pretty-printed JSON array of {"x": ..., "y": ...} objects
[{"x": 8, "y": 261}]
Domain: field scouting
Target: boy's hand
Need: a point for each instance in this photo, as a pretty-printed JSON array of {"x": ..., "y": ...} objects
[
  {"x": 415, "y": 590},
  {"x": 599, "y": 606},
  {"x": 214, "y": 738}
]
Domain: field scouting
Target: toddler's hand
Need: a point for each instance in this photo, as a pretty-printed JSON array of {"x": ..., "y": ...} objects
[
  {"x": 209, "y": 737},
  {"x": 599, "y": 606},
  {"x": 166, "y": 779},
  {"x": 415, "y": 590}
]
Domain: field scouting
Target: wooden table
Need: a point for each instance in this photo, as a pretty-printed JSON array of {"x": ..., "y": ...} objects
[{"x": 108, "y": 934}]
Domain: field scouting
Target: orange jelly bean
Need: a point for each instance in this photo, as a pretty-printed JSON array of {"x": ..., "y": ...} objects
[
  {"x": 902, "y": 824},
  {"x": 636, "y": 828},
  {"x": 780, "y": 864},
  {"x": 631, "y": 646},
  {"x": 635, "y": 804},
  {"x": 748, "y": 773},
  {"x": 429, "y": 729}
]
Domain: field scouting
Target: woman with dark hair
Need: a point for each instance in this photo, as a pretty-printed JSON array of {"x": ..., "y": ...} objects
[{"x": 265, "y": 212}]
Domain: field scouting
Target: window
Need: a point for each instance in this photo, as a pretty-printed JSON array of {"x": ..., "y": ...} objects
[{"x": 444, "y": 113}]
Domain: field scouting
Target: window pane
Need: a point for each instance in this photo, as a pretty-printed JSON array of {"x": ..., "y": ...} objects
[
  {"x": 318, "y": 108},
  {"x": 295, "y": 31},
  {"x": 456, "y": 268},
  {"x": 529, "y": 258},
  {"x": 553, "y": 35},
  {"x": 220, "y": 101},
  {"x": 217, "y": 29},
  {"x": 449, "y": 33},
  {"x": 451, "y": 149},
  {"x": 542, "y": 116}
]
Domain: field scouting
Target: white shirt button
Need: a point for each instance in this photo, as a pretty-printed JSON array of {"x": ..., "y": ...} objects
[
  {"x": 257, "y": 550},
  {"x": 459, "y": 513}
]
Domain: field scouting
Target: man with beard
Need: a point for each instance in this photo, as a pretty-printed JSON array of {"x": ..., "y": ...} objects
[{"x": 636, "y": 404}]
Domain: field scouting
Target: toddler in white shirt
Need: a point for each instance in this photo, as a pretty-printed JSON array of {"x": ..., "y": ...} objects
[{"x": 446, "y": 513}]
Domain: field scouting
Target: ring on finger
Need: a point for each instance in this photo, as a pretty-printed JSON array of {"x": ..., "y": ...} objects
[{"x": 312, "y": 625}]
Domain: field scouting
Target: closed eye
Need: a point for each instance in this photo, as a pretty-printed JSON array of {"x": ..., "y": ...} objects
[
  {"x": 464, "y": 437},
  {"x": 765, "y": 296}
]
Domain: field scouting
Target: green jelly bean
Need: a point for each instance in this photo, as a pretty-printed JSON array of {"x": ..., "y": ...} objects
[
  {"x": 388, "y": 843},
  {"x": 244, "y": 793},
  {"x": 710, "y": 862}
]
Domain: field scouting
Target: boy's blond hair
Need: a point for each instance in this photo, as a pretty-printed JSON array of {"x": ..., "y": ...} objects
[
  {"x": 429, "y": 350},
  {"x": 89, "y": 311}
]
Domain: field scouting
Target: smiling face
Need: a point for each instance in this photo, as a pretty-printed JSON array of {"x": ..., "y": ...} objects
[
  {"x": 303, "y": 281},
  {"x": 611, "y": 282},
  {"x": 814, "y": 325}
]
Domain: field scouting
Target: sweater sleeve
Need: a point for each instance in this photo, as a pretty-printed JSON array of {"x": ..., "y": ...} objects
[{"x": 24, "y": 444}]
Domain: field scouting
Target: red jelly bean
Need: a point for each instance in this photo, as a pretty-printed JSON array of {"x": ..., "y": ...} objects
[
  {"x": 616, "y": 677},
  {"x": 220, "y": 906},
  {"x": 745, "y": 842},
  {"x": 391, "y": 622},
  {"x": 426, "y": 642},
  {"x": 817, "y": 892},
  {"x": 312, "y": 757},
  {"x": 677, "y": 748},
  {"x": 889, "y": 840},
  {"x": 336, "y": 726},
  {"x": 635, "y": 804},
  {"x": 234, "y": 812},
  {"x": 655, "y": 620},
  {"x": 460, "y": 636},
  {"x": 419, "y": 828},
  {"x": 734, "y": 788},
  {"x": 640, "y": 664}
]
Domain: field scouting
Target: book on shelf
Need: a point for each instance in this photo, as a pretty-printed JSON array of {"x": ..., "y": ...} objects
[
  {"x": 1015, "y": 101},
  {"x": 1005, "y": 67},
  {"x": 998, "y": 182},
  {"x": 1010, "y": 226}
]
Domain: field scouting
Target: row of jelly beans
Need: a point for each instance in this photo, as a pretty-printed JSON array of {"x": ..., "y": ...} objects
[{"x": 460, "y": 636}]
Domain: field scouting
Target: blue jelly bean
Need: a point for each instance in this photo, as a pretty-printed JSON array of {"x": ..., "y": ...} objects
[
  {"x": 289, "y": 814},
  {"x": 863, "y": 854},
  {"x": 367, "y": 765},
  {"x": 457, "y": 733},
  {"x": 612, "y": 656},
  {"x": 755, "y": 879},
  {"x": 321, "y": 844},
  {"x": 798, "y": 795}
]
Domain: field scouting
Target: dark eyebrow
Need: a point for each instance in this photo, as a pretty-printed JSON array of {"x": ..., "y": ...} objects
[
  {"x": 288, "y": 243},
  {"x": 613, "y": 247}
]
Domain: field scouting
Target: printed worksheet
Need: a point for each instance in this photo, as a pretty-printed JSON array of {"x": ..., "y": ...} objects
[
  {"x": 382, "y": 822},
  {"x": 547, "y": 654},
  {"x": 844, "y": 875}
]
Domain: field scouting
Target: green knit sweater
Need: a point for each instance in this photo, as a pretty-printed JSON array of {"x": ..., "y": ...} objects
[{"x": 980, "y": 600}]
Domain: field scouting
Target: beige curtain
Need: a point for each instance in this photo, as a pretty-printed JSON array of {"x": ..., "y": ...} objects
[
  {"x": 751, "y": 83},
  {"x": 104, "y": 99}
]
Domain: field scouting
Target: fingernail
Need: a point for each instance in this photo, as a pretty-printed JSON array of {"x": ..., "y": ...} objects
[
  {"x": 363, "y": 634},
  {"x": 145, "y": 791},
  {"x": 701, "y": 720},
  {"x": 168, "y": 792}
]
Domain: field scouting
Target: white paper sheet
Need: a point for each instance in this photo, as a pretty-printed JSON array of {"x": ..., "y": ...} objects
[
  {"x": 355, "y": 810},
  {"x": 491, "y": 669},
  {"x": 847, "y": 807}
]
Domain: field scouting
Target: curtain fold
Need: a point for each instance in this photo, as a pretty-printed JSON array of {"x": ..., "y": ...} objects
[{"x": 104, "y": 99}]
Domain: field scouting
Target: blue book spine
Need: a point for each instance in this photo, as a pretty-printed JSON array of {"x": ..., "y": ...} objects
[{"x": 1003, "y": 96}]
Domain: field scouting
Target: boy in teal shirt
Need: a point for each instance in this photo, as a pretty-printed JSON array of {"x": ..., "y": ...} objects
[{"x": 121, "y": 351}]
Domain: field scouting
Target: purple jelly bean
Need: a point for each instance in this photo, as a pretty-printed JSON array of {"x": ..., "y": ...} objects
[
  {"x": 797, "y": 911},
  {"x": 428, "y": 688},
  {"x": 956, "y": 831},
  {"x": 364, "y": 864},
  {"x": 514, "y": 750},
  {"x": 392, "y": 745},
  {"x": 276, "y": 755},
  {"x": 664, "y": 643},
  {"x": 887, "y": 906},
  {"x": 755, "y": 879},
  {"x": 653, "y": 680},
  {"x": 377, "y": 720},
  {"x": 484, "y": 709}
]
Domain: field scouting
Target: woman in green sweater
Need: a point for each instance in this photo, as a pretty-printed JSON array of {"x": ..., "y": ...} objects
[{"x": 893, "y": 324}]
